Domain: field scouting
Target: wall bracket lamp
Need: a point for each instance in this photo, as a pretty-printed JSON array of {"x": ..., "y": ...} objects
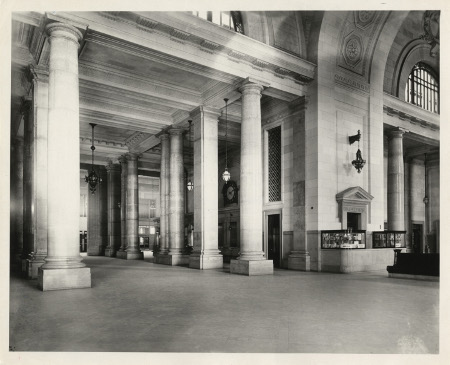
[{"x": 359, "y": 162}]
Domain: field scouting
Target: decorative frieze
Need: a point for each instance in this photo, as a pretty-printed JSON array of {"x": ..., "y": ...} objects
[
  {"x": 135, "y": 139},
  {"x": 179, "y": 36},
  {"x": 351, "y": 82},
  {"x": 146, "y": 24},
  {"x": 103, "y": 142},
  {"x": 209, "y": 47}
]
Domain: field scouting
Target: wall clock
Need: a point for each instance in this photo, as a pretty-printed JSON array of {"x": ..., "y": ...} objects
[{"x": 230, "y": 192}]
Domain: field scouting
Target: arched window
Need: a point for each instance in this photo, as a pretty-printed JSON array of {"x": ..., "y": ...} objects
[
  {"x": 228, "y": 19},
  {"x": 422, "y": 88}
]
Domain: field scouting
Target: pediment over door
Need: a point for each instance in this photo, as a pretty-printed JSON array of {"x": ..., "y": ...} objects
[
  {"x": 355, "y": 193},
  {"x": 355, "y": 200}
]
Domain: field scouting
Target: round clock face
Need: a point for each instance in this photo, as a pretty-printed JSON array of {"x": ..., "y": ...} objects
[{"x": 230, "y": 192}]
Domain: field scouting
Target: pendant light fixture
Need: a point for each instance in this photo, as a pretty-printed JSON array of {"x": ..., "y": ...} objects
[
  {"x": 92, "y": 179},
  {"x": 226, "y": 175},
  {"x": 190, "y": 184},
  {"x": 359, "y": 162}
]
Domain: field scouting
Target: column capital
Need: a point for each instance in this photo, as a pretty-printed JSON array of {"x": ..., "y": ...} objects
[
  {"x": 123, "y": 160},
  {"x": 37, "y": 74},
  {"x": 164, "y": 136},
  {"x": 206, "y": 112},
  {"x": 111, "y": 166},
  {"x": 63, "y": 30},
  {"x": 176, "y": 131},
  {"x": 132, "y": 156},
  {"x": 251, "y": 88},
  {"x": 397, "y": 133}
]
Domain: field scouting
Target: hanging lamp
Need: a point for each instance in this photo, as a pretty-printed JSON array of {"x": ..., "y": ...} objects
[
  {"x": 226, "y": 174},
  {"x": 92, "y": 179},
  {"x": 190, "y": 184},
  {"x": 359, "y": 162}
]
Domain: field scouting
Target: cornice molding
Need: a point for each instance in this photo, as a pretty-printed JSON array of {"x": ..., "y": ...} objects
[
  {"x": 393, "y": 106},
  {"x": 135, "y": 139},
  {"x": 103, "y": 142}
]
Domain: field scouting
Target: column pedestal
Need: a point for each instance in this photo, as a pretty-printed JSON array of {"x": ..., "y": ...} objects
[
  {"x": 299, "y": 260},
  {"x": 33, "y": 264},
  {"x": 251, "y": 267},
  {"x": 57, "y": 279}
]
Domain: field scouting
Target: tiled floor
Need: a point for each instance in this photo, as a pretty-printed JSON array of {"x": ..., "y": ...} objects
[{"x": 141, "y": 306}]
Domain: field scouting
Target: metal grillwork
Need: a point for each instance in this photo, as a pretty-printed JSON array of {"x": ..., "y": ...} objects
[
  {"x": 275, "y": 164},
  {"x": 422, "y": 88}
]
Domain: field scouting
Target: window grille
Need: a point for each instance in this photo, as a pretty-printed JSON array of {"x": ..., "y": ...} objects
[
  {"x": 274, "y": 164},
  {"x": 227, "y": 19},
  {"x": 422, "y": 88}
]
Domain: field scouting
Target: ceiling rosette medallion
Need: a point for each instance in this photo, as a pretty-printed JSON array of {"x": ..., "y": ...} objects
[{"x": 353, "y": 50}]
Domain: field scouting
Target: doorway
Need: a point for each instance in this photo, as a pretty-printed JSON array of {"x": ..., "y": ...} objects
[
  {"x": 274, "y": 239},
  {"x": 416, "y": 238},
  {"x": 354, "y": 221}
]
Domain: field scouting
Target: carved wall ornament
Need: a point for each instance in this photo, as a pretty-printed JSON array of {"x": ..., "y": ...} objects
[
  {"x": 364, "y": 18},
  {"x": 431, "y": 29},
  {"x": 353, "y": 50}
]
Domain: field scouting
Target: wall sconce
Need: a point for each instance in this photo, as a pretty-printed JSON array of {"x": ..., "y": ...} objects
[{"x": 359, "y": 162}]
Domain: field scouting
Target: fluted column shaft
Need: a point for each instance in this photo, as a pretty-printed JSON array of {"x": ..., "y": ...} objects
[
  {"x": 63, "y": 268},
  {"x": 133, "y": 251},
  {"x": 396, "y": 187},
  {"x": 164, "y": 194},
  {"x": 17, "y": 200},
  {"x": 176, "y": 195},
  {"x": 123, "y": 205},
  {"x": 28, "y": 176},
  {"x": 114, "y": 221},
  {"x": 206, "y": 254},
  {"x": 251, "y": 174}
]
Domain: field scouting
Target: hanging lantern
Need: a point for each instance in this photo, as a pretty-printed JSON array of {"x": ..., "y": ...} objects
[
  {"x": 92, "y": 179},
  {"x": 190, "y": 184},
  {"x": 226, "y": 174}
]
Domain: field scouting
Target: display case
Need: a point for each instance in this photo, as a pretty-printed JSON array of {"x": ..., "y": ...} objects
[
  {"x": 388, "y": 239},
  {"x": 340, "y": 239}
]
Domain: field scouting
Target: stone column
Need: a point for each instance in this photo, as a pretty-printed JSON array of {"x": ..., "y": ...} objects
[
  {"x": 162, "y": 257},
  {"x": 299, "y": 258},
  {"x": 206, "y": 254},
  {"x": 433, "y": 206},
  {"x": 97, "y": 218},
  {"x": 114, "y": 237},
  {"x": 396, "y": 186},
  {"x": 251, "y": 260},
  {"x": 28, "y": 176},
  {"x": 408, "y": 171},
  {"x": 17, "y": 203},
  {"x": 40, "y": 109},
  {"x": 176, "y": 199},
  {"x": 63, "y": 268},
  {"x": 133, "y": 251},
  {"x": 121, "y": 254}
]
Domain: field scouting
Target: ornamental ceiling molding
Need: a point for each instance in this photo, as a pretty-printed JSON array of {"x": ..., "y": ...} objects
[
  {"x": 302, "y": 76},
  {"x": 103, "y": 142},
  {"x": 358, "y": 39},
  {"x": 136, "y": 138}
]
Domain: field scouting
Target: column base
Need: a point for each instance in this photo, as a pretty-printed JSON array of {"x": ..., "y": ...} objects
[
  {"x": 33, "y": 265},
  {"x": 204, "y": 262},
  {"x": 134, "y": 255},
  {"x": 57, "y": 279},
  {"x": 23, "y": 266},
  {"x": 300, "y": 261},
  {"x": 109, "y": 252},
  {"x": 121, "y": 255},
  {"x": 251, "y": 268},
  {"x": 173, "y": 260}
]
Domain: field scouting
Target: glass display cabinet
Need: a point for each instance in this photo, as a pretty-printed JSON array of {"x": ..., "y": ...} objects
[
  {"x": 388, "y": 239},
  {"x": 339, "y": 239}
]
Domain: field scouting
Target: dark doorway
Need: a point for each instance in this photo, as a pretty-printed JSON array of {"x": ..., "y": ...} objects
[
  {"x": 274, "y": 239},
  {"x": 416, "y": 238},
  {"x": 354, "y": 221}
]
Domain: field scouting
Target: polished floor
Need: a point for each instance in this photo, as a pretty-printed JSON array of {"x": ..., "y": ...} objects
[{"x": 140, "y": 306}]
